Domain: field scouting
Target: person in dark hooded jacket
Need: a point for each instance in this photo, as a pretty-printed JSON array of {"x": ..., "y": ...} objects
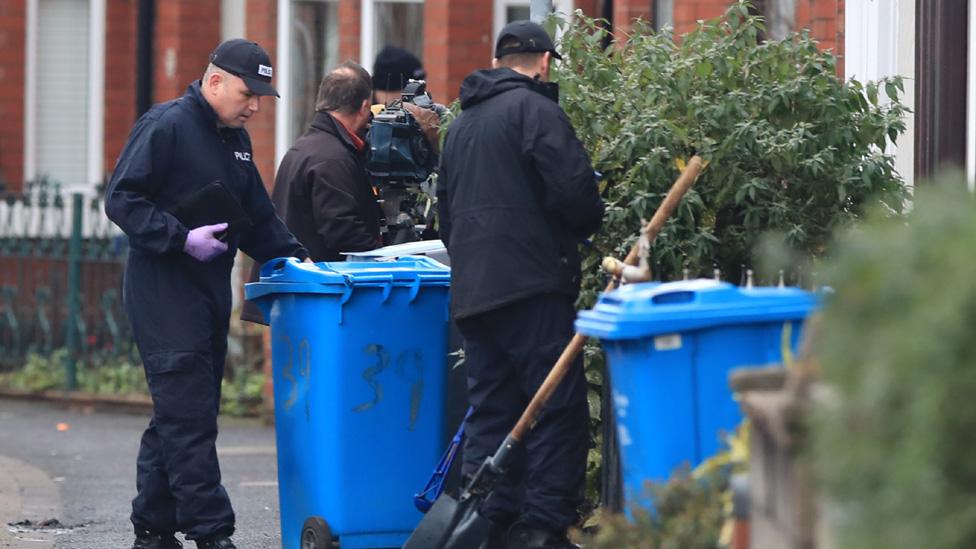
[
  {"x": 517, "y": 195},
  {"x": 177, "y": 284}
]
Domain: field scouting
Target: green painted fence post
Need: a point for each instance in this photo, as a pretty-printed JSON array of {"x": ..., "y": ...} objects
[{"x": 74, "y": 291}]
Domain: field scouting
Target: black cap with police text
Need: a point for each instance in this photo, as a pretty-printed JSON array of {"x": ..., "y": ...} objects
[
  {"x": 247, "y": 60},
  {"x": 524, "y": 37}
]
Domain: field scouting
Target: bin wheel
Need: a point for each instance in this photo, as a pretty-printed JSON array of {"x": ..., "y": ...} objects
[{"x": 316, "y": 534}]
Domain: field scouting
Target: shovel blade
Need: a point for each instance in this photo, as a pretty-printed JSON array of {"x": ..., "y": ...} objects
[
  {"x": 450, "y": 524},
  {"x": 436, "y": 526}
]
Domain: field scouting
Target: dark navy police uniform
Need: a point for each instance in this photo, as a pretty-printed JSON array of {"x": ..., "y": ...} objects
[
  {"x": 517, "y": 195},
  {"x": 179, "y": 307}
]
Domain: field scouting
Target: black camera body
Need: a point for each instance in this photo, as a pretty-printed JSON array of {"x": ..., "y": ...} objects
[{"x": 399, "y": 155}]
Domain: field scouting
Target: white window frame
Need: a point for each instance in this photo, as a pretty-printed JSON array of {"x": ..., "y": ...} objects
[
  {"x": 282, "y": 80},
  {"x": 564, "y": 7},
  {"x": 96, "y": 96},
  {"x": 367, "y": 29}
]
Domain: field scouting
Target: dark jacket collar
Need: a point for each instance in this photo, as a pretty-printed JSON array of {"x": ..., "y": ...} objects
[
  {"x": 195, "y": 96},
  {"x": 487, "y": 83},
  {"x": 324, "y": 121}
]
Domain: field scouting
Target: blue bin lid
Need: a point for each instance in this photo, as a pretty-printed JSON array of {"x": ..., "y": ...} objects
[
  {"x": 648, "y": 309},
  {"x": 288, "y": 275}
]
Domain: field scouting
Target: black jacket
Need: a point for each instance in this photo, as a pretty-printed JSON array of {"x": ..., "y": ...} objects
[
  {"x": 322, "y": 193},
  {"x": 173, "y": 150},
  {"x": 324, "y": 196},
  {"x": 516, "y": 194}
]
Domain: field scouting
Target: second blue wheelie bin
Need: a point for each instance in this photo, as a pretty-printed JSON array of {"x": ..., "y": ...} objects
[
  {"x": 670, "y": 348},
  {"x": 358, "y": 358}
]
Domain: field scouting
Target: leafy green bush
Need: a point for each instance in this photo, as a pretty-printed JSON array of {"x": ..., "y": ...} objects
[
  {"x": 793, "y": 152},
  {"x": 791, "y": 148},
  {"x": 690, "y": 513},
  {"x": 894, "y": 440},
  {"x": 692, "y": 510}
]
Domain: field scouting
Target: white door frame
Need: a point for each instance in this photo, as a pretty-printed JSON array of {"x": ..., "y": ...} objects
[{"x": 283, "y": 83}]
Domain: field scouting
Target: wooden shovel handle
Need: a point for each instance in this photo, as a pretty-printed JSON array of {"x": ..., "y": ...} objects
[{"x": 572, "y": 350}]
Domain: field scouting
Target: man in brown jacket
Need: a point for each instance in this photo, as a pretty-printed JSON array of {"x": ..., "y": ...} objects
[{"x": 321, "y": 190}]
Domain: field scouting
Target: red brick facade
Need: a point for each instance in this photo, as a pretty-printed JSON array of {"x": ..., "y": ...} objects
[
  {"x": 625, "y": 12},
  {"x": 13, "y": 14},
  {"x": 186, "y": 32},
  {"x": 120, "y": 84},
  {"x": 458, "y": 39},
  {"x": 687, "y": 13},
  {"x": 825, "y": 19},
  {"x": 350, "y": 19}
]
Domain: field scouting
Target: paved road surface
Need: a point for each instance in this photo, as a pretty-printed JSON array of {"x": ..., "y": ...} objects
[{"x": 84, "y": 477}]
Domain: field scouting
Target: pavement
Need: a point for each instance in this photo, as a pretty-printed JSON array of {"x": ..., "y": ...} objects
[{"x": 67, "y": 477}]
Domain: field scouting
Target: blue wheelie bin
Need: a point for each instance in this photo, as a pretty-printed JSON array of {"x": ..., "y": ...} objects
[
  {"x": 358, "y": 358},
  {"x": 670, "y": 348}
]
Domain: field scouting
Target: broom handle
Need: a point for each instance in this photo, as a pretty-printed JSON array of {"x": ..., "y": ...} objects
[{"x": 572, "y": 350}]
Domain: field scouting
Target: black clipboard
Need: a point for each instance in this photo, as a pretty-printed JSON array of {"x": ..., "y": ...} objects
[{"x": 210, "y": 205}]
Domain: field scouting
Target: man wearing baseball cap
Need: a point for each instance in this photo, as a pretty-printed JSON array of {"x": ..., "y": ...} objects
[
  {"x": 177, "y": 282},
  {"x": 517, "y": 195}
]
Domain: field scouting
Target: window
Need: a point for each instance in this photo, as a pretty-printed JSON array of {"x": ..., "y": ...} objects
[
  {"x": 314, "y": 50},
  {"x": 391, "y": 23},
  {"x": 507, "y": 11},
  {"x": 64, "y": 91}
]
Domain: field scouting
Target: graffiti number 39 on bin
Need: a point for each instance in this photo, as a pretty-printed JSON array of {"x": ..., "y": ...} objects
[{"x": 408, "y": 368}]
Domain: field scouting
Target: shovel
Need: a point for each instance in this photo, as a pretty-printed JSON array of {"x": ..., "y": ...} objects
[{"x": 456, "y": 523}]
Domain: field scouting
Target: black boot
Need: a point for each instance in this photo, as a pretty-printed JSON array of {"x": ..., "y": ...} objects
[
  {"x": 216, "y": 542},
  {"x": 146, "y": 539},
  {"x": 527, "y": 536}
]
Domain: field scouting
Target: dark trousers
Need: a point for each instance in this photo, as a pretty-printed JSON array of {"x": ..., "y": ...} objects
[
  {"x": 179, "y": 310},
  {"x": 508, "y": 353},
  {"x": 177, "y": 473}
]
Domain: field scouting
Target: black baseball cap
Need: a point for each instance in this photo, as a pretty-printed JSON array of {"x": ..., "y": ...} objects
[
  {"x": 247, "y": 60},
  {"x": 524, "y": 37}
]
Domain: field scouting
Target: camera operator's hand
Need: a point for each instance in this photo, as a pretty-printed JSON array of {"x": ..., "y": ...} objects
[{"x": 429, "y": 122}]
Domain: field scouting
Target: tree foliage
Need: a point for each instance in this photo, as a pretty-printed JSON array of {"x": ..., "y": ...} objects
[
  {"x": 894, "y": 440},
  {"x": 790, "y": 147}
]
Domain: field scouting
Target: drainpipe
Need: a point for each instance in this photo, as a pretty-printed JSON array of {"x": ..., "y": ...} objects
[{"x": 144, "y": 55}]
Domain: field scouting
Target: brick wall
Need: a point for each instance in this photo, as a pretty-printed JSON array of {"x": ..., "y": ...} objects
[
  {"x": 626, "y": 11},
  {"x": 688, "y": 12},
  {"x": 262, "y": 27},
  {"x": 825, "y": 19},
  {"x": 186, "y": 32},
  {"x": 457, "y": 40},
  {"x": 590, "y": 7},
  {"x": 13, "y": 17},
  {"x": 120, "y": 76},
  {"x": 350, "y": 15}
]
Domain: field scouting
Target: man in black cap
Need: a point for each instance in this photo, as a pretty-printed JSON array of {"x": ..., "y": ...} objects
[
  {"x": 177, "y": 282},
  {"x": 517, "y": 195},
  {"x": 393, "y": 67}
]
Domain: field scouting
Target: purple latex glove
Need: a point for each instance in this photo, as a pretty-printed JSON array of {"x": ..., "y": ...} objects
[{"x": 202, "y": 245}]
